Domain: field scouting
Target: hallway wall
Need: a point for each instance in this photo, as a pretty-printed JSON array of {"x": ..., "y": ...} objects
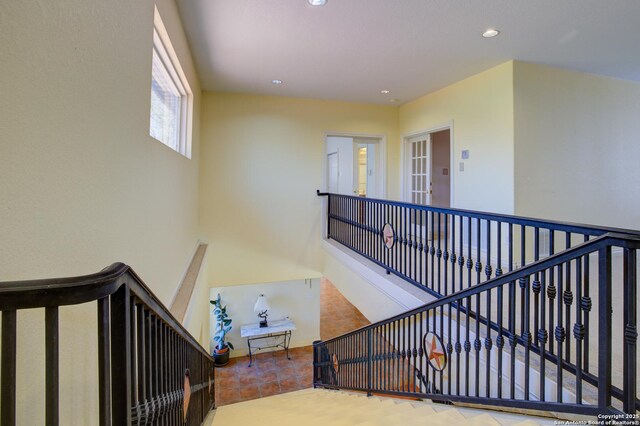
[
  {"x": 262, "y": 161},
  {"x": 577, "y": 149},
  {"x": 82, "y": 183}
]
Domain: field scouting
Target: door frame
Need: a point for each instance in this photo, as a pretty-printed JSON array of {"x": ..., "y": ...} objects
[
  {"x": 405, "y": 166},
  {"x": 382, "y": 161}
]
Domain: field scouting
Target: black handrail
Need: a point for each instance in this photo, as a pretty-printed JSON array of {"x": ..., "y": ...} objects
[
  {"x": 573, "y": 227},
  {"x": 413, "y": 248},
  {"x": 376, "y": 356},
  {"x": 150, "y": 367}
]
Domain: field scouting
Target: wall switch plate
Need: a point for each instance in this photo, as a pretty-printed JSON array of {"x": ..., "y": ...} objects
[
  {"x": 465, "y": 154},
  {"x": 461, "y": 166}
]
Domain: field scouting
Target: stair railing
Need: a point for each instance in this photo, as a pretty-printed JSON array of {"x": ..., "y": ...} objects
[
  {"x": 442, "y": 250},
  {"x": 476, "y": 345},
  {"x": 150, "y": 369}
]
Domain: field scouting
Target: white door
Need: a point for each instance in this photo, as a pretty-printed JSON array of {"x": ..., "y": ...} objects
[
  {"x": 418, "y": 170},
  {"x": 332, "y": 169}
]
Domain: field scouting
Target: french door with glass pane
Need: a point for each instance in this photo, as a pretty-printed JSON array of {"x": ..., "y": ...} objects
[{"x": 418, "y": 170}]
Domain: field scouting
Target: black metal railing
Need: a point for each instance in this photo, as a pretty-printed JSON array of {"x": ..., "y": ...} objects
[
  {"x": 444, "y": 250},
  {"x": 484, "y": 345},
  {"x": 150, "y": 369}
]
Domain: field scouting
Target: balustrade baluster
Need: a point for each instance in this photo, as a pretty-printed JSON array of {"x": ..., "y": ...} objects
[
  {"x": 578, "y": 331},
  {"x": 104, "y": 363},
  {"x": 536, "y": 286},
  {"x": 500, "y": 338},
  {"x": 420, "y": 354},
  {"x": 543, "y": 336},
  {"x": 551, "y": 293},
  {"x": 432, "y": 250},
  {"x": 513, "y": 341},
  {"x": 567, "y": 298},
  {"x": 51, "y": 366},
  {"x": 415, "y": 246},
  {"x": 407, "y": 243},
  {"x": 467, "y": 343},
  {"x": 488, "y": 342},
  {"x": 629, "y": 362},
  {"x": 477, "y": 345},
  {"x": 421, "y": 248},
  {"x": 406, "y": 354},
  {"x": 604, "y": 329},
  {"x": 439, "y": 255},
  {"x": 559, "y": 334},
  {"x": 8, "y": 368},
  {"x": 121, "y": 356},
  {"x": 585, "y": 305}
]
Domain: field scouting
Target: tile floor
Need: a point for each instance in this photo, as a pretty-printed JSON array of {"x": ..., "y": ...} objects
[
  {"x": 272, "y": 373},
  {"x": 337, "y": 315}
]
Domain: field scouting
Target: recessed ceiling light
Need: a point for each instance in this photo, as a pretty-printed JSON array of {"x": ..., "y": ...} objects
[
  {"x": 491, "y": 32},
  {"x": 317, "y": 2},
  {"x": 276, "y": 81},
  {"x": 384, "y": 92}
]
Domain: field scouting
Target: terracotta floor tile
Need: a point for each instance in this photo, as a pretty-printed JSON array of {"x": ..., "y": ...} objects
[
  {"x": 247, "y": 379},
  {"x": 270, "y": 388},
  {"x": 228, "y": 395},
  {"x": 223, "y": 373},
  {"x": 288, "y": 373},
  {"x": 250, "y": 392},
  {"x": 284, "y": 363},
  {"x": 289, "y": 385},
  {"x": 268, "y": 376},
  {"x": 265, "y": 367},
  {"x": 272, "y": 373}
]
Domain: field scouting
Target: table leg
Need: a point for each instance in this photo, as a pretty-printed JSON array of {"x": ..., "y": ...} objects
[
  {"x": 286, "y": 346},
  {"x": 250, "y": 355}
]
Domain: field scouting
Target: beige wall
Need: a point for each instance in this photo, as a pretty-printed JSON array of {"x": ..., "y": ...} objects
[
  {"x": 82, "y": 183},
  {"x": 262, "y": 161},
  {"x": 297, "y": 299},
  {"x": 577, "y": 146},
  {"x": 480, "y": 110}
]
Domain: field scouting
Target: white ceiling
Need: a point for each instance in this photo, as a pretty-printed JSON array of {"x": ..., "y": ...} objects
[{"x": 352, "y": 49}]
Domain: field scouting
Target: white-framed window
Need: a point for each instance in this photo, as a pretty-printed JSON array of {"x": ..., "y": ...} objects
[{"x": 171, "y": 96}]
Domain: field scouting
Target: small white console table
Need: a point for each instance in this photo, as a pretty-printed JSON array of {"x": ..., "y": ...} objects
[{"x": 276, "y": 329}]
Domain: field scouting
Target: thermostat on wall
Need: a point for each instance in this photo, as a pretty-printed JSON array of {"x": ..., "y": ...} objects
[{"x": 465, "y": 154}]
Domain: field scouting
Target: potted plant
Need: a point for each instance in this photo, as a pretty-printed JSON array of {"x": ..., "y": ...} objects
[{"x": 223, "y": 326}]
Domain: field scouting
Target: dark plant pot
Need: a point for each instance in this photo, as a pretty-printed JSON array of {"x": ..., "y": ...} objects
[{"x": 221, "y": 356}]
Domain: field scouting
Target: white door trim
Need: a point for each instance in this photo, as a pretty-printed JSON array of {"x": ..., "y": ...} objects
[
  {"x": 382, "y": 185},
  {"x": 403, "y": 156}
]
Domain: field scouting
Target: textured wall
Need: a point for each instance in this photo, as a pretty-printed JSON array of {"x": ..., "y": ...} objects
[
  {"x": 262, "y": 161},
  {"x": 577, "y": 146},
  {"x": 82, "y": 184}
]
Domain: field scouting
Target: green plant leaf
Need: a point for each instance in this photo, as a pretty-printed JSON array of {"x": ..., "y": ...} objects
[{"x": 230, "y": 345}]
